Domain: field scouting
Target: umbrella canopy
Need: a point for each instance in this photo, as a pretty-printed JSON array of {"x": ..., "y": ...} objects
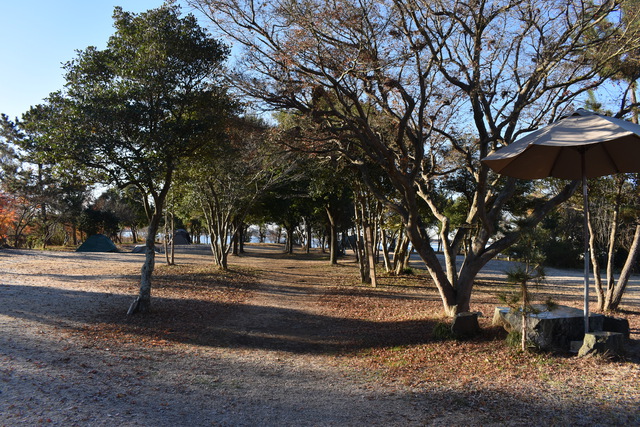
[
  {"x": 609, "y": 146},
  {"x": 584, "y": 145}
]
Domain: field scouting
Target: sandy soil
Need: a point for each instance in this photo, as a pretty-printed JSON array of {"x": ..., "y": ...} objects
[{"x": 265, "y": 362}]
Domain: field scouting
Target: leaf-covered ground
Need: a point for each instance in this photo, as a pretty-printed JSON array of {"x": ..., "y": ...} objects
[{"x": 281, "y": 340}]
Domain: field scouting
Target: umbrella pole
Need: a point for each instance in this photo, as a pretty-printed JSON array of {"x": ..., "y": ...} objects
[{"x": 585, "y": 200}]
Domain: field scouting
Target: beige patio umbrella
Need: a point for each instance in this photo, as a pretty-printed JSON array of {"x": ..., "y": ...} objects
[{"x": 583, "y": 145}]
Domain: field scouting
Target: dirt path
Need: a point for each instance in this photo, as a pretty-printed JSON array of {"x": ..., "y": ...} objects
[{"x": 267, "y": 373}]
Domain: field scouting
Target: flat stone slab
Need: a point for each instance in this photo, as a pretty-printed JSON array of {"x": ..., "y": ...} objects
[{"x": 549, "y": 329}]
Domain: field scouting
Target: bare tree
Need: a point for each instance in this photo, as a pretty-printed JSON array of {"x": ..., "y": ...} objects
[
  {"x": 228, "y": 178},
  {"x": 424, "y": 89}
]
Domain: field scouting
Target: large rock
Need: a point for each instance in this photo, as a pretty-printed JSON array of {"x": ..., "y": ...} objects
[
  {"x": 549, "y": 329},
  {"x": 608, "y": 344}
]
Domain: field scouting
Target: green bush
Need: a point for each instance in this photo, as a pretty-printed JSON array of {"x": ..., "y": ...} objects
[{"x": 442, "y": 332}]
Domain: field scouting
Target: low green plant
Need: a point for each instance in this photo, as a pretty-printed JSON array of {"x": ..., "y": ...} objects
[
  {"x": 514, "y": 339},
  {"x": 407, "y": 271},
  {"x": 442, "y": 332},
  {"x": 529, "y": 271}
]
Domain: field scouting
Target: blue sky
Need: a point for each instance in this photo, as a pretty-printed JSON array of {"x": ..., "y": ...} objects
[{"x": 37, "y": 36}]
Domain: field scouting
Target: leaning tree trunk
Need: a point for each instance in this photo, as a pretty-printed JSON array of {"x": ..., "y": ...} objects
[{"x": 615, "y": 296}]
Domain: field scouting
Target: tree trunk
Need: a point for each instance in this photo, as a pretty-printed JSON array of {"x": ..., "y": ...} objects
[
  {"x": 309, "y": 236},
  {"x": 385, "y": 251},
  {"x": 333, "y": 237},
  {"x": 289, "y": 243},
  {"x": 525, "y": 305},
  {"x": 615, "y": 296},
  {"x": 243, "y": 233},
  {"x": 236, "y": 243},
  {"x": 595, "y": 264},
  {"x": 453, "y": 301},
  {"x": 173, "y": 241},
  {"x": 142, "y": 304},
  {"x": 368, "y": 260},
  {"x": 165, "y": 240},
  {"x": 370, "y": 252},
  {"x": 400, "y": 253},
  {"x": 365, "y": 276}
]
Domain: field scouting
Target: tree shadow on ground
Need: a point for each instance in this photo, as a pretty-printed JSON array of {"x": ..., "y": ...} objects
[
  {"x": 265, "y": 328},
  {"x": 209, "y": 323}
]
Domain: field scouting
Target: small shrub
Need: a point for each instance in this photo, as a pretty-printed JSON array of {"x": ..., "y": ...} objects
[
  {"x": 442, "y": 332},
  {"x": 551, "y": 305},
  {"x": 514, "y": 339},
  {"x": 407, "y": 271}
]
